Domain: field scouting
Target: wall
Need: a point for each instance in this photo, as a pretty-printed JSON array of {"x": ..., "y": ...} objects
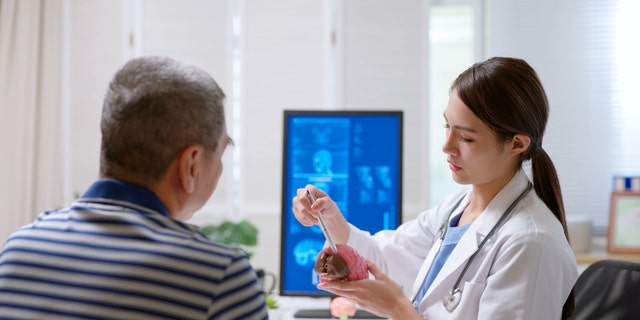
[
  {"x": 328, "y": 54},
  {"x": 268, "y": 56}
]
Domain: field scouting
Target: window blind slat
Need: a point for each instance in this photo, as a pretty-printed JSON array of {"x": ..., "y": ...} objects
[{"x": 571, "y": 47}]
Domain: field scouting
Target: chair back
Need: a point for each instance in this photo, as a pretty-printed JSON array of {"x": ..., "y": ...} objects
[{"x": 608, "y": 289}]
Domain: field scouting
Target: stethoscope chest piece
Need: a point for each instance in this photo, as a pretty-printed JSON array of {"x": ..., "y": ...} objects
[{"x": 451, "y": 300}]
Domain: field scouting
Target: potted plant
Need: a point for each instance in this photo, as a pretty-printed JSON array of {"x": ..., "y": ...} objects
[{"x": 243, "y": 235}]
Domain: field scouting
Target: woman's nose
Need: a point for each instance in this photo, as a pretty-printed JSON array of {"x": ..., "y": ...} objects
[{"x": 448, "y": 145}]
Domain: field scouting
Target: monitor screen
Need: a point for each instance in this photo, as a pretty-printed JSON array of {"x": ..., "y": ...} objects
[{"x": 356, "y": 158}]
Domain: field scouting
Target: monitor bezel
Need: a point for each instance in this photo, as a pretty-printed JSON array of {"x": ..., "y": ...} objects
[{"x": 285, "y": 200}]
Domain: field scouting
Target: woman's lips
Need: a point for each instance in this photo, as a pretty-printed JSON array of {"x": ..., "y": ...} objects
[{"x": 454, "y": 168}]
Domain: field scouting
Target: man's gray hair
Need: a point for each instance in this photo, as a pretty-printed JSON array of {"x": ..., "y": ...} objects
[{"x": 154, "y": 108}]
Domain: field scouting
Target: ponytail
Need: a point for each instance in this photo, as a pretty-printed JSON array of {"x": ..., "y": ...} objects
[{"x": 547, "y": 186}]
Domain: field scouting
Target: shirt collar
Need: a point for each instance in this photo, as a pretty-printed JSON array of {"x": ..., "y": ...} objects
[{"x": 111, "y": 189}]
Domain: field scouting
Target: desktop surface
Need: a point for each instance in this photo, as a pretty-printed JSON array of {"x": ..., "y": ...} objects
[
  {"x": 326, "y": 314},
  {"x": 292, "y": 308}
]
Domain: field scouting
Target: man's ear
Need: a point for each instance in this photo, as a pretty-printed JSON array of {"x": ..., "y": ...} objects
[
  {"x": 188, "y": 166},
  {"x": 520, "y": 143}
]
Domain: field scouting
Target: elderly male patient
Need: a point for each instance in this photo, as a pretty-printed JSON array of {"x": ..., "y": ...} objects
[{"x": 122, "y": 250}]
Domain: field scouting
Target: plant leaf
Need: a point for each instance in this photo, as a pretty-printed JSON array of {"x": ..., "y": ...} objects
[{"x": 232, "y": 233}]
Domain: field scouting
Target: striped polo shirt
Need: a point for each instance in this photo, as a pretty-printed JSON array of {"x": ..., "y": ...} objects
[{"x": 116, "y": 254}]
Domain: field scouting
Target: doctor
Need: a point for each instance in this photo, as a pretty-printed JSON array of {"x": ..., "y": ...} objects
[{"x": 497, "y": 249}]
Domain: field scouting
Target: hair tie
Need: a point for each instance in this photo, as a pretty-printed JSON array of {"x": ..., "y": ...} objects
[{"x": 536, "y": 149}]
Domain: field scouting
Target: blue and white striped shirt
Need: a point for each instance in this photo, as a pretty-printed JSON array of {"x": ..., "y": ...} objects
[{"x": 116, "y": 254}]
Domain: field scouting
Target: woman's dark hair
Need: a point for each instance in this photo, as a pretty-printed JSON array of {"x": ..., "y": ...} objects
[{"x": 507, "y": 95}]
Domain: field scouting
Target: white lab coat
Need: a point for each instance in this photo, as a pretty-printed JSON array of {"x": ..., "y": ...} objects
[{"x": 526, "y": 270}]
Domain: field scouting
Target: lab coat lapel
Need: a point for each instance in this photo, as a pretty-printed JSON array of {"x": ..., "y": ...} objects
[
  {"x": 426, "y": 264},
  {"x": 471, "y": 240},
  {"x": 460, "y": 254},
  {"x": 451, "y": 210}
]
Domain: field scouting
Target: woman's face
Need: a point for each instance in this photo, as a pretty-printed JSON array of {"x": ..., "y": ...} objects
[{"x": 474, "y": 153}]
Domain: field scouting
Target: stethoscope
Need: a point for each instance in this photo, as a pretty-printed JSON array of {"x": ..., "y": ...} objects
[{"x": 451, "y": 299}]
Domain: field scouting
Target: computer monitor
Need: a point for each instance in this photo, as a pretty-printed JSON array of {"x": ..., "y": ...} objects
[{"x": 355, "y": 157}]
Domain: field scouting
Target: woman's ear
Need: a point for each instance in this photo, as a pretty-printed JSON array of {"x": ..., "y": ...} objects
[
  {"x": 188, "y": 166},
  {"x": 520, "y": 143}
]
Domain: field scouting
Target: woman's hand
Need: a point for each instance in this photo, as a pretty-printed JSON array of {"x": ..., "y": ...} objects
[
  {"x": 381, "y": 295},
  {"x": 307, "y": 214}
]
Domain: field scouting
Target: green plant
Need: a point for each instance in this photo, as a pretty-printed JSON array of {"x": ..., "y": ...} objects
[
  {"x": 242, "y": 234},
  {"x": 272, "y": 302}
]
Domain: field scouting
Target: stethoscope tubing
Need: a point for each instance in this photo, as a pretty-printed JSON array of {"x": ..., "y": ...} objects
[
  {"x": 445, "y": 227},
  {"x": 491, "y": 232}
]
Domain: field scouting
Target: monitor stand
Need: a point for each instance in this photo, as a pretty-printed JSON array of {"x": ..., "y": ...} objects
[{"x": 326, "y": 314}]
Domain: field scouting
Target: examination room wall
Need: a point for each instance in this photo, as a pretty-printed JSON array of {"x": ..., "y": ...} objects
[{"x": 274, "y": 55}]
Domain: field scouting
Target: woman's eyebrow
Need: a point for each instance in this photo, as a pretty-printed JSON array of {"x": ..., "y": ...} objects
[{"x": 458, "y": 127}]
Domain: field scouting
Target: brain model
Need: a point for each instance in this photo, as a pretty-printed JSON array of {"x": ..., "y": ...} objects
[{"x": 347, "y": 265}]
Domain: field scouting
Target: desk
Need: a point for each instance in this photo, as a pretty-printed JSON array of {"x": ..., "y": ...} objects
[
  {"x": 598, "y": 251},
  {"x": 289, "y": 305},
  {"x": 594, "y": 256}
]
